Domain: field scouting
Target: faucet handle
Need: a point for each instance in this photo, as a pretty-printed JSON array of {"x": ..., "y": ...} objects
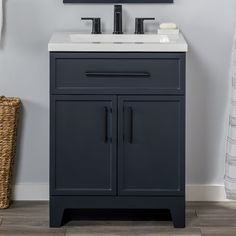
[
  {"x": 96, "y": 24},
  {"x": 139, "y": 28},
  {"x": 117, "y": 19}
]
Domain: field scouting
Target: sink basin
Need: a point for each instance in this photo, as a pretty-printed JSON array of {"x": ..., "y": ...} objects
[{"x": 121, "y": 38}]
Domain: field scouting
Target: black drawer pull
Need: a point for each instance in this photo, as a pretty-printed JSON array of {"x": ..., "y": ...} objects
[{"x": 117, "y": 74}]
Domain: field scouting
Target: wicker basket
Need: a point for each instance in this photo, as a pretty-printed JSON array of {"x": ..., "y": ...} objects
[{"x": 9, "y": 112}]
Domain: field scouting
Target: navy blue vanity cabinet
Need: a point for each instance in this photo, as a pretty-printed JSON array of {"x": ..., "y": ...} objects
[{"x": 117, "y": 132}]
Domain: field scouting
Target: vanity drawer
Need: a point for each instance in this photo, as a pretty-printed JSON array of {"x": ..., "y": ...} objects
[{"x": 73, "y": 73}]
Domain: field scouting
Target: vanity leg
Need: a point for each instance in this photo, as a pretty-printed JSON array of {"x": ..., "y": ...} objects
[
  {"x": 178, "y": 216},
  {"x": 56, "y": 216}
]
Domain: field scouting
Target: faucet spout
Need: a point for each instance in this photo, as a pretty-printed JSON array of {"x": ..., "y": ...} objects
[{"x": 118, "y": 19}]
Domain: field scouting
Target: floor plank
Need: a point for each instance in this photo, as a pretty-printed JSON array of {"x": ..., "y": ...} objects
[
  {"x": 26, "y": 208},
  {"x": 214, "y": 209},
  {"x": 130, "y": 231},
  {"x": 29, "y": 221},
  {"x": 218, "y": 231},
  {"x": 204, "y": 218},
  {"x": 213, "y": 221},
  {"x": 27, "y": 231}
]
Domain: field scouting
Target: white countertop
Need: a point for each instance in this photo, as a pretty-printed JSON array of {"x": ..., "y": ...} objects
[{"x": 75, "y": 42}]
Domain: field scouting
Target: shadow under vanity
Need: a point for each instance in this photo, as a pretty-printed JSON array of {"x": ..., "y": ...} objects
[{"x": 117, "y": 122}]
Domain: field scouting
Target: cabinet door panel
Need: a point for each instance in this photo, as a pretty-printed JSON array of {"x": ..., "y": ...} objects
[
  {"x": 83, "y": 145},
  {"x": 151, "y": 145}
]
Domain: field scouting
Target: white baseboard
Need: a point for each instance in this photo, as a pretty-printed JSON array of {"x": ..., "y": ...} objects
[
  {"x": 215, "y": 193},
  {"x": 40, "y": 192},
  {"x": 31, "y": 192}
]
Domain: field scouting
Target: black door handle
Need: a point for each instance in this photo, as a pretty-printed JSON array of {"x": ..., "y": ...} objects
[
  {"x": 117, "y": 74},
  {"x": 106, "y": 125},
  {"x": 131, "y": 125},
  {"x": 107, "y": 112}
]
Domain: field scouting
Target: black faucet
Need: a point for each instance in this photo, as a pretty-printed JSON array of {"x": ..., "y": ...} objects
[
  {"x": 96, "y": 24},
  {"x": 139, "y": 28},
  {"x": 118, "y": 19}
]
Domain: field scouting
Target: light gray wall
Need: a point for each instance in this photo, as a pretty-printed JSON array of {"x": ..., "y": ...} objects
[{"x": 208, "y": 26}]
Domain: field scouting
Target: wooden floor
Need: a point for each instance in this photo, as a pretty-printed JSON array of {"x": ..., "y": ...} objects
[{"x": 208, "y": 219}]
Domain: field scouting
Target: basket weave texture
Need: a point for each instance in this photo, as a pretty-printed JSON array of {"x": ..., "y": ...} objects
[{"x": 9, "y": 114}]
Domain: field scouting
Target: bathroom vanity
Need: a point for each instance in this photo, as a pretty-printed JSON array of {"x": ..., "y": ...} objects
[{"x": 117, "y": 123}]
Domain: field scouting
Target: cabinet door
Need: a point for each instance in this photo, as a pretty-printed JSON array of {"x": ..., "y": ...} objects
[
  {"x": 151, "y": 145},
  {"x": 83, "y": 145}
]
